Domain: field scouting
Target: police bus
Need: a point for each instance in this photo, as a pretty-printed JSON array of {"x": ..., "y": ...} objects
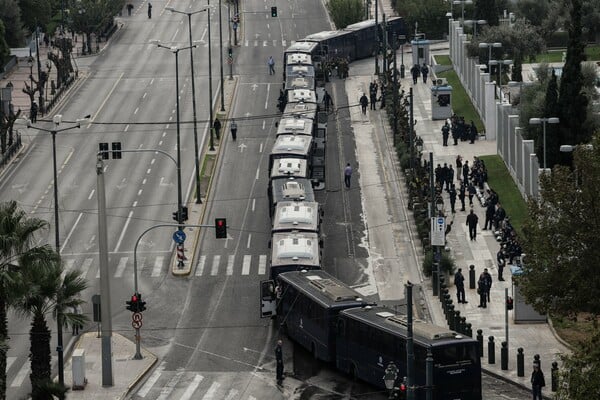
[
  {"x": 295, "y": 216},
  {"x": 290, "y": 189},
  {"x": 291, "y": 146},
  {"x": 300, "y": 77},
  {"x": 308, "y": 306},
  {"x": 296, "y": 125},
  {"x": 369, "y": 338},
  {"x": 294, "y": 251}
]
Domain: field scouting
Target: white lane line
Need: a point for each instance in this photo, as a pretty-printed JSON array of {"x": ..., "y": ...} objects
[
  {"x": 91, "y": 194},
  {"x": 260, "y": 149},
  {"x": 164, "y": 134},
  {"x": 144, "y": 181},
  {"x": 98, "y": 273},
  {"x": 71, "y": 232},
  {"x": 267, "y": 96},
  {"x": 158, "y": 263},
  {"x": 116, "y": 250},
  {"x": 145, "y": 94},
  {"x": 151, "y": 381},
  {"x": 246, "y": 264},
  {"x": 153, "y": 161},
  {"x": 212, "y": 391},
  {"x": 139, "y": 192},
  {"x": 126, "y": 128},
  {"x": 230, "y": 261},
  {"x": 134, "y": 204},
  {"x": 264, "y": 124},
  {"x": 149, "y": 170},
  {"x": 10, "y": 361},
  {"x": 262, "y": 264},
  {"x": 85, "y": 267},
  {"x": 200, "y": 266},
  {"x": 232, "y": 394},
  {"x": 187, "y": 395},
  {"x": 257, "y": 173},
  {"x": 253, "y": 204},
  {"x": 175, "y": 34},
  {"x": 136, "y": 110},
  {"x": 160, "y": 143},
  {"x": 249, "y": 240},
  {"x": 121, "y": 267},
  {"x": 215, "y": 265},
  {"x": 94, "y": 115},
  {"x": 21, "y": 375}
]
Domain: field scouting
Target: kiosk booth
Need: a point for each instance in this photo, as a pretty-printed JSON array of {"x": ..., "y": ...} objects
[{"x": 441, "y": 99}]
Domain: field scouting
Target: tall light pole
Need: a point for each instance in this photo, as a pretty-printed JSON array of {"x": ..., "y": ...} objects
[
  {"x": 489, "y": 46},
  {"x": 377, "y": 33},
  {"x": 500, "y": 63},
  {"x": 210, "y": 109},
  {"x": 543, "y": 122},
  {"x": 196, "y": 157},
  {"x": 474, "y": 23},
  {"x": 462, "y": 4},
  {"x": 175, "y": 50},
  {"x": 59, "y": 336},
  {"x": 221, "y": 55}
]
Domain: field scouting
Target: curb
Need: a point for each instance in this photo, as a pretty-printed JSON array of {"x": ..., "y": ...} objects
[
  {"x": 510, "y": 381},
  {"x": 557, "y": 336}
]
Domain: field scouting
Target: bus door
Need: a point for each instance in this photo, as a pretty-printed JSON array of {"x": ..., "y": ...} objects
[{"x": 268, "y": 300}]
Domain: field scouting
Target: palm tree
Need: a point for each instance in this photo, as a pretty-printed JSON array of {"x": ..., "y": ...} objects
[
  {"x": 44, "y": 290},
  {"x": 18, "y": 237}
]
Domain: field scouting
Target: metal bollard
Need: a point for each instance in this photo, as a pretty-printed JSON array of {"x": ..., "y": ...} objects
[
  {"x": 520, "y": 362},
  {"x": 491, "y": 351},
  {"x": 554, "y": 375},
  {"x": 447, "y": 297},
  {"x": 450, "y": 313},
  {"x": 463, "y": 325},
  {"x": 469, "y": 330},
  {"x": 480, "y": 340},
  {"x": 504, "y": 356},
  {"x": 446, "y": 303},
  {"x": 471, "y": 276},
  {"x": 536, "y": 360},
  {"x": 452, "y": 322}
]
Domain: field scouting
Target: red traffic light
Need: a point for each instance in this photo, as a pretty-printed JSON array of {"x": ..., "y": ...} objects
[
  {"x": 221, "y": 228},
  {"x": 134, "y": 298}
]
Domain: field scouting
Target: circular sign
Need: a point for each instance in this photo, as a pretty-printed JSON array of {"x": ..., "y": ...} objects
[
  {"x": 229, "y": 60},
  {"x": 136, "y": 324},
  {"x": 137, "y": 317},
  {"x": 179, "y": 236}
]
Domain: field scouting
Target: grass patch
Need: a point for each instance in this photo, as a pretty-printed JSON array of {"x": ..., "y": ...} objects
[
  {"x": 500, "y": 180},
  {"x": 207, "y": 164},
  {"x": 461, "y": 103},
  {"x": 443, "y": 59},
  {"x": 592, "y": 53},
  {"x": 575, "y": 331}
]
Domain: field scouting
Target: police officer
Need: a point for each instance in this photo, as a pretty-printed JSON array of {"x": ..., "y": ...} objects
[
  {"x": 149, "y": 10},
  {"x": 217, "y": 127},
  {"x": 279, "y": 360}
]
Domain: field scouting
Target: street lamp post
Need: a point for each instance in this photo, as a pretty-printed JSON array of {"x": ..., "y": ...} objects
[
  {"x": 543, "y": 122},
  {"x": 221, "y": 55},
  {"x": 489, "y": 46},
  {"x": 175, "y": 50},
  {"x": 474, "y": 23},
  {"x": 210, "y": 109},
  {"x": 377, "y": 38},
  {"x": 53, "y": 132},
  {"x": 196, "y": 157},
  {"x": 402, "y": 67},
  {"x": 500, "y": 63},
  {"x": 462, "y": 4}
]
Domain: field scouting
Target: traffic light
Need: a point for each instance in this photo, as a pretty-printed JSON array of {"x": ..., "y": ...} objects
[
  {"x": 133, "y": 304},
  {"x": 273, "y": 12},
  {"x": 230, "y": 52},
  {"x": 184, "y": 213},
  {"x": 103, "y": 147},
  {"x": 141, "y": 304},
  {"x": 116, "y": 150},
  {"x": 221, "y": 228},
  {"x": 509, "y": 303},
  {"x": 176, "y": 216}
]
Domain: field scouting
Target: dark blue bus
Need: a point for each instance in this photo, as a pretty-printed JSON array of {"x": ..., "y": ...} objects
[{"x": 369, "y": 338}]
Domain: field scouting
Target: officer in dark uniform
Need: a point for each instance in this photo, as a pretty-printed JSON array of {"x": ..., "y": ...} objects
[{"x": 217, "y": 127}]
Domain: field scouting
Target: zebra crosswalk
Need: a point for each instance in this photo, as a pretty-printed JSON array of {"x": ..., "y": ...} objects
[
  {"x": 230, "y": 265},
  {"x": 163, "y": 384},
  {"x": 159, "y": 265}
]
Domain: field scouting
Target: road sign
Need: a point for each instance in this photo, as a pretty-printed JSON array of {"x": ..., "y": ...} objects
[
  {"x": 136, "y": 324},
  {"x": 179, "y": 237},
  {"x": 235, "y": 25},
  {"x": 229, "y": 60},
  {"x": 136, "y": 316},
  {"x": 438, "y": 231}
]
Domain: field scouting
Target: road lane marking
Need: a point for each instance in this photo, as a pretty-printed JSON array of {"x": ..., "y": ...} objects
[
  {"x": 85, "y": 267},
  {"x": 253, "y": 204},
  {"x": 230, "y": 263},
  {"x": 158, "y": 262},
  {"x": 10, "y": 361},
  {"x": 21, "y": 375},
  {"x": 212, "y": 391},
  {"x": 257, "y": 173},
  {"x": 262, "y": 264},
  {"x": 139, "y": 192},
  {"x": 123, "y": 232},
  {"x": 246, "y": 264},
  {"x": 105, "y": 100},
  {"x": 170, "y": 386},
  {"x": 232, "y": 394},
  {"x": 71, "y": 232},
  {"x": 267, "y": 96},
  {"x": 215, "y": 265},
  {"x": 91, "y": 194},
  {"x": 187, "y": 395},
  {"x": 200, "y": 266},
  {"x": 121, "y": 267},
  {"x": 136, "y": 110},
  {"x": 152, "y": 380},
  {"x": 249, "y": 240}
]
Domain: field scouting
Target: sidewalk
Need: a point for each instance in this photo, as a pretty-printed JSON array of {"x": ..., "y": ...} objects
[{"x": 533, "y": 338}]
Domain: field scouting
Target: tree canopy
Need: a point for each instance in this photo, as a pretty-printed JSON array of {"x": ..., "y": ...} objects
[
  {"x": 346, "y": 12},
  {"x": 430, "y": 15}
]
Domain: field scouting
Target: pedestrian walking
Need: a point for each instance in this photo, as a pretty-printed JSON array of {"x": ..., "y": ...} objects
[
  {"x": 327, "y": 101},
  {"x": 415, "y": 71},
  {"x": 233, "y": 127},
  {"x": 472, "y": 224},
  {"x": 33, "y": 112},
  {"x": 279, "y": 360},
  {"x": 217, "y": 127},
  {"x": 461, "y": 196},
  {"x": 459, "y": 282},
  {"x": 471, "y": 192},
  {"x": 452, "y": 193},
  {"x": 347, "y": 175},
  {"x": 46, "y": 40},
  {"x": 271, "y": 64},
  {"x": 149, "y": 10},
  {"x": 424, "y": 72},
  {"x": 364, "y": 102},
  {"x": 537, "y": 382}
]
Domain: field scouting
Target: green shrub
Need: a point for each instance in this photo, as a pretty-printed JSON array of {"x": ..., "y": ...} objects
[{"x": 447, "y": 263}]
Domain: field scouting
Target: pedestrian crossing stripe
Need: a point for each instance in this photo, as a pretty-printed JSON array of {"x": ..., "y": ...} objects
[
  {"x": 21, "y": 375},
  {"x": 85, "y": 267},
  {"x": 121, "y": 267},
  {"x": 212, "y": 391},
  {"x": 246, "y": 265},
  {"x": 230, "y": 263},
  {"x": 200, "y": 266},
  {"x": 10, "y": 361},
  {"x": 215, "y": 265},
  {"x": 166, "y": 391},
  {"x": 262, "y": 264},
  {"x": 158, "y": 263},
  {"x": 189, "y": 392},
  {"x": 152, "y": 380}
]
